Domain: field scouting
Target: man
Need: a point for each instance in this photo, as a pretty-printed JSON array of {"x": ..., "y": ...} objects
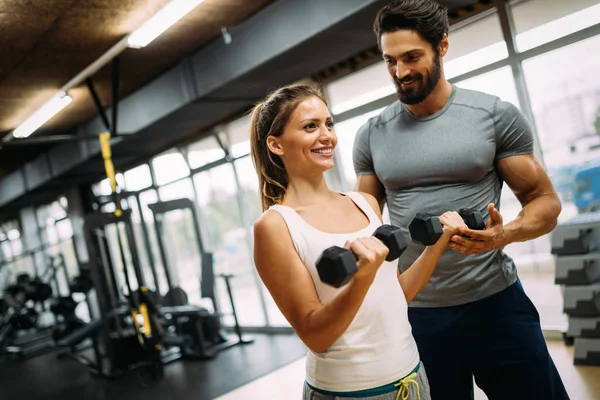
[{"x": 444, "y": 148}]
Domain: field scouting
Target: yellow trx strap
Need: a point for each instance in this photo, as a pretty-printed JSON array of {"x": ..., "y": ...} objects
[{"x": 109, "y": 167}]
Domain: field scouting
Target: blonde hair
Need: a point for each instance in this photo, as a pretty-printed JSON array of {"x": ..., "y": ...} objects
[{"x": 269, "y": 118}]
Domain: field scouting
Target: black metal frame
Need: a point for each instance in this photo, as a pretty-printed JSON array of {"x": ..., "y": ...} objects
[
  {"x": 102, "y": 273},
  {"x": 111, "y": 126},
  {"x": 207, "y": 280}
]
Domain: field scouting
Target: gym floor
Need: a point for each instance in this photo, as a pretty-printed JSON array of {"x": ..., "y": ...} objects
[
  {"x": 582, "y": 382},
  {"x": 270, "y": 368},
  {"x": 47, "y": 378}
]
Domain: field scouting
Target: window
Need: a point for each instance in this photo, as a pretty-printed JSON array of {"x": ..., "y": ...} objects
[
  {"x": 249, "y": 186},
  {"x": 474, "y": 45},
  {"x": 150, "y": 197},
  {"x": 11, "y": 248},
  {"x": 169, "y": 167},
  {"x": 346, "y": 132},
  {"x": 361, "y": 87},
  {"x": 177, "y": 190},
  {"x": 103, "y": 188},
  {"x": 204, "y": 152},
  {"x": 138, "y": 178},
  {"x": 541, "y": 21},
  {"x": 238, "y": 132},
  {"x": 471, "y": 46},
  {"x": 499, "y": 83},
  {"x": 567, "y": 115},
  {"x": 228, "y": 242}
]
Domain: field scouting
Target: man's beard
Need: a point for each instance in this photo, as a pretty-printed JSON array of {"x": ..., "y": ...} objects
[{"x": 422, "y": 89}]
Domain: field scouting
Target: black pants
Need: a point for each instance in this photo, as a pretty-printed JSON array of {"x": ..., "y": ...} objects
[{"x": 498, "y": 340}]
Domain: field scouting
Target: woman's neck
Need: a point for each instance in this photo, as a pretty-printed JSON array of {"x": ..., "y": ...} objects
[{"x": 307, "y": 191}]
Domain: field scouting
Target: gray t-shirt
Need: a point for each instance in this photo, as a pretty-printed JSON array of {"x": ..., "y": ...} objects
[{"x": 444, "y": 162}]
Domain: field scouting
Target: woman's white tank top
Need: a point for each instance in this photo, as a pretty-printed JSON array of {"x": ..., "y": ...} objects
[{"x": 378, "y": 347}]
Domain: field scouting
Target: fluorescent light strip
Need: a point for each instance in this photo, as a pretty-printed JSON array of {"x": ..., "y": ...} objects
[
  {"x": 141, "y": 37},
  {"x": 160, "y": 22},
  {"x": 43, "y": 115}
]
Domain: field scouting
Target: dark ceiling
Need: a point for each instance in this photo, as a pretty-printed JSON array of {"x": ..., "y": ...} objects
[
  {"x": 45, "y": 44},
  {"x": 188, "y": 79}
]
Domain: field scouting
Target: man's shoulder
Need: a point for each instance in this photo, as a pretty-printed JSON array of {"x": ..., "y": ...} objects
[
  {"x": 476, "y": 100},
  {"x": 380, "y": 120}
]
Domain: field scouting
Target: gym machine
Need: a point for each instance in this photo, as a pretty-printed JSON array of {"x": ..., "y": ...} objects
[
  {"x": 127, "y": 336},
  {"x": 215, "y": 337},
  {"x": 23, "y": 333},
  {"x": 576, "y": 248}
]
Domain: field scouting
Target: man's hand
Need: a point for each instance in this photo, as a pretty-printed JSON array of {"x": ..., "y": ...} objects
[{"x": 469, "y": 241}]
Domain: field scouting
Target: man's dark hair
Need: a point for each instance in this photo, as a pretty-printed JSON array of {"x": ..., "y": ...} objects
[{"x": 427, "y": 17}]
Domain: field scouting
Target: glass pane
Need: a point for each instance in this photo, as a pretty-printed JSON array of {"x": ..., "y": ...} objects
[
  {"x": 177, "y": 190},
  {"x": 150, "y": 197},
  {"x": 103, "y": 188},
  {"x": 239, "y": 136},
  {"x": 13, "y": 234},
  {"x": 6, "y": 250},
  {"x": 204, "y": 152},
  {"x": 541, "y": 21},
  {"x": 346, "y": 132},
  {"x": 471, "y": 46},
  {"x": 499, "y": 83},
  {"x": 138, "y": 178},
  {"x": 361, "y": 87},
  {"x": 475, "y": 45},
  {"x": 56, "y": 210},
  {"x": 249, "y": 185},
  {"x": 566, "y": 112},
  {"x": 64, "y": 229},
  {"x": 138, "y": 233},
  {"x": 169, "y": 167},
  {"x": 183, "y": 252},
  {"x": 566, "y": 116},
  {"x": 228, "y": 243},
  {"x": 203, "y": 189}
]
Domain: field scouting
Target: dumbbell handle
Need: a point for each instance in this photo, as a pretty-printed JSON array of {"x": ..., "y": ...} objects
[
  {"x": 382, "y": 232},
  {"x": 463, "y": 212},
  {"x": 477, "y": 223}
]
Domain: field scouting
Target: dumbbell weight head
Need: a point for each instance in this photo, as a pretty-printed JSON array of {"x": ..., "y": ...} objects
[
  {"x": 425, "y": 229},
  {"x": 26, "y": 318},
  {"x": 473, "y": 219},
  {"x": 81, "y": 284},
  {"x": 393, "y": 238},
  {"x": 38, "y": 290},
  {"x": 336, "y": 266},
  {"x": 64, "y": 306}
]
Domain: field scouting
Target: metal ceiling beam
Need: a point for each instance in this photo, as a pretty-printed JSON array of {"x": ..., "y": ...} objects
[{"x": 269, "y": 49}]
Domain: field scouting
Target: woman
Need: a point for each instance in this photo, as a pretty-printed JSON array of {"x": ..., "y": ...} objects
[{"x": 358, "y": 336}]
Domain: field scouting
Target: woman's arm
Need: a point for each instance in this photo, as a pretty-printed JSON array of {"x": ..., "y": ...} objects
[
  {"x": 292, "y": 288},
  {"x": 415, "y": 278}
]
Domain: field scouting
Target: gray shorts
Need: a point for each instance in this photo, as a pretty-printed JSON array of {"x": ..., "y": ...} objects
[{"x": 417, "y": 390}]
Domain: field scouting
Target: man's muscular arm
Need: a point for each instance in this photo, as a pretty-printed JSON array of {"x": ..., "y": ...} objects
[
  {"x": 370, "y": 183},
  {"x": 541, "y": 207},
  {"x": 533, "y": 187}
]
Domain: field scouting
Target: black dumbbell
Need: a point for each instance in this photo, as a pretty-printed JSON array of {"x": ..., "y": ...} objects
[
  {"x": 336, "y": 265},
  {"x": 426, "y": 229},
  {"x": 473, "y": 219}
]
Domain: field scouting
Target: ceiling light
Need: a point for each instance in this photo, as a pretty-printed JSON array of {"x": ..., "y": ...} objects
[
  {"x": 161, "y": 21},
  {"x": 43, "y": 115}
]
